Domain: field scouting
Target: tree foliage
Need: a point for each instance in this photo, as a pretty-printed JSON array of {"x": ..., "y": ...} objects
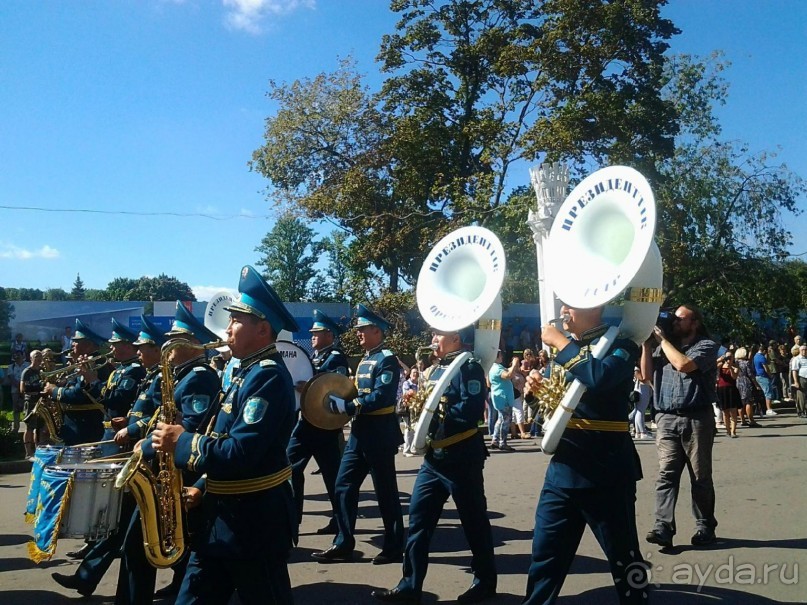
[
  {"x": 158, "y": 288},
  {"x": 56, "y": 294},
  {"x": 288, "y": 254},
  {"x": 78, "y": 291},
  {"x": 6, "y": 315}
]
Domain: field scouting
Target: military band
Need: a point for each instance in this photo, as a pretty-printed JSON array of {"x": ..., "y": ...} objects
[{"x": 243, "y": 451}]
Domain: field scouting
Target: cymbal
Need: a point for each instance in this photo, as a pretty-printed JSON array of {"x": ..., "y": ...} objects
[{"x": 315, "y": 399}]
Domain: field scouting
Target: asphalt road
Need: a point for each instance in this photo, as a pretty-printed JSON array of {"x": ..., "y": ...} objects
[{"x": 760, "y": 556}]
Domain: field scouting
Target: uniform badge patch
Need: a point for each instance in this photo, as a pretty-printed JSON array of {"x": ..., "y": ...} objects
[
  {"x": 127, "y": 383},
  {"x": 227, "y": 408},
  {"x": 622, "y": 354},
  {"x": 200, "y": 403},
  {"x": 386, "y": 377},
  {"x": 254, "y": 409},
  {"x": 474, "y": 387}
]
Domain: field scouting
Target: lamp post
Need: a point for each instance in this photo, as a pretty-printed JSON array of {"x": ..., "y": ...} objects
[{"x": 550, "y": 182}]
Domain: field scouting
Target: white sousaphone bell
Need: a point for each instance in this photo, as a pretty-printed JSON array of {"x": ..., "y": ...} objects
[
  {"x": 601, "y": 246},
  {"x": 459, "y": 285}
]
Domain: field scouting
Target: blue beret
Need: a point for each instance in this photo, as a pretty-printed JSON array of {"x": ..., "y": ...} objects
[
  {"x": 82, "y": 332},
  {"x": 258, "y": 298},
  {"x": 121, "y": 333},
  {"x": 323, "y": 322},
  {"x": 186, "y": 324},
  {"x": 149, "y": 333},
  {"x": 365, "y": 317}
]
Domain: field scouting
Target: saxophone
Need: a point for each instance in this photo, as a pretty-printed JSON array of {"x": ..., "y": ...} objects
[{"x": 159, "y": 495}]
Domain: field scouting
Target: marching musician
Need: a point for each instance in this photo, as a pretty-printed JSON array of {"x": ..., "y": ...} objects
[
  {"x": 196, "y": 394},
  {"x": 591, "y": 479},
  {"x": 248, "y": 507},
  {"x": 120, "y": 390},
  {"x": 308, "y": 440},
  {"x": 148, "y": 398},
  {"x": 452, "y": 467},
  {"x": 374, "y": 440},
  {"x": 83, "y": 420}
]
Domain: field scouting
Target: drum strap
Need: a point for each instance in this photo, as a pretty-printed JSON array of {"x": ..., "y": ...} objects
[
  {"x": 598, "y": 425},
  {"x": 248, "y": 486},
  {"x": 443, "y": 443}
]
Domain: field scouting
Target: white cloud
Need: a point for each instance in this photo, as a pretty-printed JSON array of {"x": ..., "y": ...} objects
[
  {"x": 17, "y": 253},
  {"x": 248, "y": 15},
  {"x": 205, "y": 293}
]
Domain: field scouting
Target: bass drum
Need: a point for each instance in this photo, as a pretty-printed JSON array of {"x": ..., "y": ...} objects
[{"x": 297, "y": 362}]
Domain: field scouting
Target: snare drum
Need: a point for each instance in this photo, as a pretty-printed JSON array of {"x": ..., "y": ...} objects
[
  {"x": 76, "y": 454},
  {"x": 94, "y": 508}
]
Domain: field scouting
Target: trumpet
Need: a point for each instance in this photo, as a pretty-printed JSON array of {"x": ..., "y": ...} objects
[{"x": 93, "y": 363}]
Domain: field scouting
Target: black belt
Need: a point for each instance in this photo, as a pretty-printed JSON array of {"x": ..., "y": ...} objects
[{"x": 688, "y": 412}]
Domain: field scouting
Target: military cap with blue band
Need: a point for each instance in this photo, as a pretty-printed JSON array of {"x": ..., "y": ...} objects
[
  {"x": 82, "y": 332},
  {"x": 258, "y": 298},
  {"x": 185, "y": 324},
  {"x": 323, "y": 322},
  {"x": 365, "y": 317},
  {"x": 121, "y": 333},
  {"x": 149, "y": 333}
]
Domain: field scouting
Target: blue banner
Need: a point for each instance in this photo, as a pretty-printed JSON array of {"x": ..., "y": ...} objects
[
  {"x": 44, "y": 456},
  {"x": 54, "y": 499}
]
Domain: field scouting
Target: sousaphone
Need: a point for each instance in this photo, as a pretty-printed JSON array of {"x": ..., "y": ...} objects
[{"x": 601, "y": 246}]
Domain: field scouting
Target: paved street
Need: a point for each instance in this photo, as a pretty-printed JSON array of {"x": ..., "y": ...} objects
[{"x": 760, "y": 557}]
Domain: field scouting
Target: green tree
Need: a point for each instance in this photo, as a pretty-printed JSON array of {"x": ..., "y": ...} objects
[
  {"x": 56, "y": 294},
  {"x": 346, "y": 277},
  {"x": 148, "y": 288},
  {"x": 289, "y": 253},
  {"x": 120, "y": 287},
  {"x": 96, "y": 294},
  {"x": 78, "y": 291},
  {"x": 24, "y": 294},
  {"x": 721, "y": 210}
]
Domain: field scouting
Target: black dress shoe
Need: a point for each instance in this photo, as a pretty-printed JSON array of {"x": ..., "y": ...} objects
[
  {"x": 330, "y": 530},
  {"x": 703, "y": 537},
  {"x": 81, "y": 552},
  {"x": 71, "y": 582},
  {"x": 387, "y": 558},
  {"x": 171, "y": 590},
  {"x": 477, "y": 593},
  {"x": 395, "y": 595},
  {"x": 657, "y": 536},
  {"x": 334, "y": 554}
]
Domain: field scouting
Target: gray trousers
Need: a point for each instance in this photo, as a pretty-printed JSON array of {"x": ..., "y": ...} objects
[{"x": 685, "y": 441}]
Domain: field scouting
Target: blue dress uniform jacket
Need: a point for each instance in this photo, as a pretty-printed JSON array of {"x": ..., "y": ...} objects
[
  {"x": 452, "y": 470},
  {"x": 83, "y": 413},
  {"x": 118, "y": 395},
  {"x": 149, "y": 398},
  {"x": 246, "y": 447},
  {"x": 375, "y": 425},
  {"x": 591, "y": 479},
  {"x": 609, "y": 382}
]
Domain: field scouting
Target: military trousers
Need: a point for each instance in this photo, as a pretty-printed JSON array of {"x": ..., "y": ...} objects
[
  {"x": 465, "y": 484},
  {"x": 259, "y": 580},
  {"x": 308, "y": 441},
  {"x": 560, "y": 519},
  {"x": 356, "y": 464}
]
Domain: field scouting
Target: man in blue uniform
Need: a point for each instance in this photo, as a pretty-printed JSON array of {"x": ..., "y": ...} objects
[
  {"x": 374, "y": 439},
  {"x": 591, "y": 479},
  {"x": 117, "y": 396},
  {"x": 308, "y": 440},
  {"x": 452, "y": 467},
  {"x": 148, "y": 398},
  {"x": 83, "y": 414},
  {"x": 249, "y": 517}
]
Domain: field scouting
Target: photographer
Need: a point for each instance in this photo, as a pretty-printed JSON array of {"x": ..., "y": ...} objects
[{"x": 684, "y": 369}]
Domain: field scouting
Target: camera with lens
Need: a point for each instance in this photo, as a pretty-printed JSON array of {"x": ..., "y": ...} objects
[{"x": 666, "y": 321}]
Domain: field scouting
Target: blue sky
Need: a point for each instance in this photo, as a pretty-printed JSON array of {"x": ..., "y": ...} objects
[{"x": 155, "y": 106}]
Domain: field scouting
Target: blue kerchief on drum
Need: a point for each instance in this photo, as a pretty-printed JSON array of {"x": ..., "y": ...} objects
[
  {"x": 54, "y": 496},
  {"x": 43, "y": 457}
]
